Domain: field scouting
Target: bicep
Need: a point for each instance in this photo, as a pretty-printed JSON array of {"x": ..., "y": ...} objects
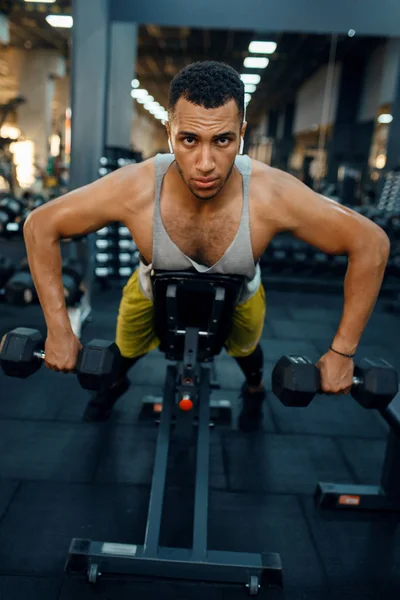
[
  {"x": 85, "y": 209},
  {"x": 324, "y": 223}
]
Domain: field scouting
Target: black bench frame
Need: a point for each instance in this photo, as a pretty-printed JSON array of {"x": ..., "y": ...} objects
[
  {"x": 381, "y": 498},
  {"x": 191, "y": 346}
]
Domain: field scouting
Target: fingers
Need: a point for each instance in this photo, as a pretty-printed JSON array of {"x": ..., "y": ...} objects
[
  {"x": 335, "y": 391},
  {"x": 65, "y": 370}
]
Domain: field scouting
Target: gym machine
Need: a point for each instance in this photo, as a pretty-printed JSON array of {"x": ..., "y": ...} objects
[{"x": 193, "y": 319}]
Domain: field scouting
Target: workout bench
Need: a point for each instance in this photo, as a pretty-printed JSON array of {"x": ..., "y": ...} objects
[{"x": 193, "y": 319}]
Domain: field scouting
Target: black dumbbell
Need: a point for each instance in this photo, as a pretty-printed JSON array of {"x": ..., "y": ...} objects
[
  {"x": 338, "y": 265},
  {"x": 20, "y": 289},
  {"x": 72, "y": 276},
  {"x": 300, "y": 255},
  {"x": 106, "y": 258},
  {"x": 11, "y": 209},
  {"x": 276, "y": 256},
  {"x": 321, "y": 262},
  {"x": 22, "y": 354},
  {"x": 296, "y": 380},
  {"x": 6, "y": 270}
]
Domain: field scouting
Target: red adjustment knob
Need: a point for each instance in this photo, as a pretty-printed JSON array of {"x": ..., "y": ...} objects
[{"x": 186, "y": 404}]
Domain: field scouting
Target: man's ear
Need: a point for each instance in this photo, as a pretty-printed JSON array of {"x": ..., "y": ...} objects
[
  {"x": 242, "y": 132},
  {"x": 168, "y": 130}
]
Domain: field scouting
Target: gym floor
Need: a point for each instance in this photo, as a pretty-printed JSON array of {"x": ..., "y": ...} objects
[{"x": 61, "y": 478}]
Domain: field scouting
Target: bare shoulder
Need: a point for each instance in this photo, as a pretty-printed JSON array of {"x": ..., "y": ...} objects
[
  {"x": 267, "y": 187},
  {"x": 268, "y": 178},
  {"x": 138, "y": 182}
]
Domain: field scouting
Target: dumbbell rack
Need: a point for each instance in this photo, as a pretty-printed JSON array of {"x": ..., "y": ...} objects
[
  {"x": 289, "y": 263},
  {"x": 390, "y": 202},
  {"x": 116, "y": 254},
  {"x": 12, "y": 211},
  {"x": 382, "y": 498}
]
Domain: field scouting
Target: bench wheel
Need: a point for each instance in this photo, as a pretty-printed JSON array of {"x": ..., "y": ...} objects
[
  {"x": 93, "y": 573},
  {"x": 253, "y": 585}
]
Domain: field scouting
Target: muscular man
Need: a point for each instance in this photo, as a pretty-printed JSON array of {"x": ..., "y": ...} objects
[{"x": 205, "y": 206}]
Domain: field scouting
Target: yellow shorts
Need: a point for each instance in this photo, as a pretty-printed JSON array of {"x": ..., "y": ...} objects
[{"x": 136, "y": 336}]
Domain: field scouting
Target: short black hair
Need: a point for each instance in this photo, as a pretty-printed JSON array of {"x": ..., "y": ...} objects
[{"x": 210, "y": 84}]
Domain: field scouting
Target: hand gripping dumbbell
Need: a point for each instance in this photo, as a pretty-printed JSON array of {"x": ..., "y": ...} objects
[
  {"x": 296, "y": 380},
  {"x": 21, "y": 355}
]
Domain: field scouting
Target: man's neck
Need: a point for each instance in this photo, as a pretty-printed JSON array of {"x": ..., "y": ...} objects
[{"x": 224, "y": 196}]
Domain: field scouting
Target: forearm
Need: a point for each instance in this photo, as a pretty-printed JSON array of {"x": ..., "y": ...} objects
[
  {"x": 361, "y": 288},
  {"x": 45, "y": 262}
]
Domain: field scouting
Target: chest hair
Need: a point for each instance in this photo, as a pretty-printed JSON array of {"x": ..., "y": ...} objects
[{"x": 203, "y": 239}]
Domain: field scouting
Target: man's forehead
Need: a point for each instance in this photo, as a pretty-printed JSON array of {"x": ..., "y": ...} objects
[{"x": 185, "y": 110}]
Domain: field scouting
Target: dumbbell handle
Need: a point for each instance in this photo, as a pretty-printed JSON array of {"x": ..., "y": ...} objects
[
  {"x": 40, "y": 354},
  {"x": 356, "y": 381}
]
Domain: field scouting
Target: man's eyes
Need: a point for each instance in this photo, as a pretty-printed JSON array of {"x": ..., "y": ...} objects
[{"x": 223, "y": 140}]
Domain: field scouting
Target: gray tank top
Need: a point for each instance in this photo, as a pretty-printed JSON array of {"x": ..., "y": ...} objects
[{"x": 238, "y": 258}]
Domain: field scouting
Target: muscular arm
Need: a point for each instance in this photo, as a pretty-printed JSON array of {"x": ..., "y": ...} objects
[
  {"x": 335, "y": 229},
  {"x": 81, "y": 211}
]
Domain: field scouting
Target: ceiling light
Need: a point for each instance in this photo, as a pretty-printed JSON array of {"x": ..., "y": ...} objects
[
  {"x": 249, "y": 88},
  {"x": 139, "y": 93},
  {"x": 380, "y": 162},
  {"x": 262, "y": 47},
  {"x": 145, "y": 99},
  {"x": 135, "y": 83},
  {"x": 385, "y": 118},
  {"x": 64, "y": 21},
  {"x": 42, "y": 1},
  {"x": 351, "y": 33},
  {"x": 247, "y": 98},
  {"x": 252, "y": 62},
  {"x": 250, "y": 79},
  {"x": 9, "y": 131}
]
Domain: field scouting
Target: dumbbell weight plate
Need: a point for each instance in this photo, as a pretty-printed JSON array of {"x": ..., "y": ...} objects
[
  {"x": 12, "y": 207},
  {"x": 17, "y": 357},
  {"x": 295, "y": 380},
  {"x": 98, "y": 364},
  {"x": 6, "y": 270},
  {"x": 4, "y": 219},
  {"x": 378, "y": 383},
  {"x": 72, "y": 275},
  {"x": 20, "y": 289}
]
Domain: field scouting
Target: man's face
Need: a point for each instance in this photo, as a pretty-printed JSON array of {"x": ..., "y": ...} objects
[{"x": 205, "y": 143}]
